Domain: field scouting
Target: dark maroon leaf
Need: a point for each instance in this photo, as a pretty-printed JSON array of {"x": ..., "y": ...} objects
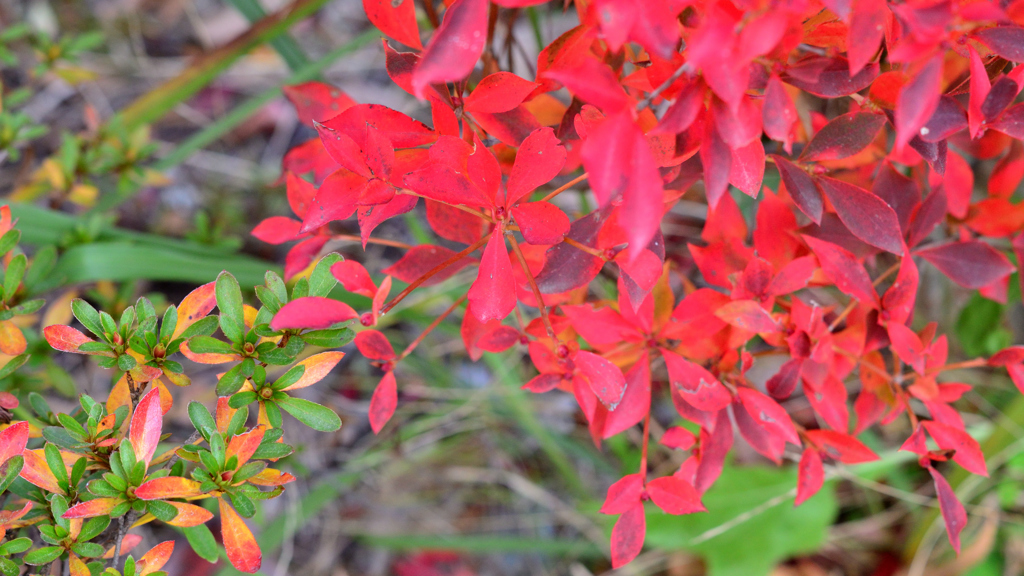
[
  {"x": 829, "y": 77},
  {"x": 999, "y": 97},
  {"x": 867, "y": 216},
  {"x": 1012, "y": 122},
  {"x": 899, "y": 192},
  {"x": 568, "y": 267},
  {"x": 844, "y": 136},
  {"x": 1006, "y": 41},
  {"x": 801, "y": 188},
  {"x": 972, "y": 264},
  {"x": 948, "y": 119},
  {"x": 927, "y": 216}
]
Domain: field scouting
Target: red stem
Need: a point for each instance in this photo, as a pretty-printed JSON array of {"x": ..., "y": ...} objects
[
  {"x": 412, "y": 346},
  {"x": 533, "y": 285},
  {"x": 433, "y": 271}
]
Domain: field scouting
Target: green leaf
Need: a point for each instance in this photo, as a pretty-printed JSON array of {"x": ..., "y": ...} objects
[
  {"x": 290, "y": 377},
  {"x": 88, "y": 549},
  {"x": 13, "y": 364},
  {"x": 162, "y": 510},
  {"x": 61, "y": 437},
  {"x": 126, "y": 362},
  {"x": 13, "y": 275},
  {"x": 242, "y": 503},
  {"x": 204, "y": 327},
  {"x": 229, "y": 300},
  {"x": 209, "y": 345},
  {"x": 87, "y": 315},
  {"x": 56, "y": 463},
  {"x": 201, "y": 419},
  {"x": 321, "y": 281},
  {"x": 17, "y": 546},
  {"x": 9, "y": 240},
  {"x": 92, "y": 528},
  {"x": 43, "y": 555},
  {"x": 242, "y": 399},
  {"x": 980, "y": 328},
  {"x": 311, "y": 414},
  {"x": 202, "y": 542},
  {"x": 755, "y": 544},
  {"x": 231, "y": 381},
  {"x": 329, "y": 338}
]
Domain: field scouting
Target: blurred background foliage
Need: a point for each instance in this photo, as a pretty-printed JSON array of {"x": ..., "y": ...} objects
[{"x": 140, "y": 142}]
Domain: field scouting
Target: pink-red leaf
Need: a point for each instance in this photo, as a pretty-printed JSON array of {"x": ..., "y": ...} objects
[
  {"x": 748, "y": 315},
  {"x": 811, "y": 476},
  {"x": 674, "y": 495},
  {"x": 455, "y": 47},
  {"x": 917, "y": 101},
  {"x": 383, "y": 402},
  {"x": 628, "y": 536},
  {"x": 768, "y": 413},
  {"x": 146, "y": 426},
  {"x": 374, "y": 345},
  {"x": 694, "y": 384},
  {"x": 499, "y": 92},
  {"x": 967, "y": 450},
  {"x": 539, "y": 159},
  {"x": 541, "y": 222},
  {"x": 623, "y": 494},
  {"x": 953, "y": 512},
  {"x": 65, "y": 338},
  {"x": 604, "y": 378},
  {"x": 492, "y": 295},
  {"x": 843, "y": 269},
  {"x": 312, "y": 312},
  {"x": 421, "y": 259},
  {"x": 396, "y": 19},
  {"x": 842, "y": 447},
  {"x": 354, "y": 278}
]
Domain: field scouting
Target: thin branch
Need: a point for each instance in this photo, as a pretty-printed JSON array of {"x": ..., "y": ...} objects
[
  {"x": 664, "y": 86},
  {"x": 412, "y": 346},
  {"x": 433, "y": 271},
  {"x": 565, "y": 187},
  {"x": 533, "y": 286}
]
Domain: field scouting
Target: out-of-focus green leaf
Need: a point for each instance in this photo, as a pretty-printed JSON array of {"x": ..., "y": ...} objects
[
  {"x": 751, "y": 547},
  {"x": 980, "y": 329}
]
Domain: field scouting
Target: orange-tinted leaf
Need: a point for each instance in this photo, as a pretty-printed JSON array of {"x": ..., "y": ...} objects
[
  {"x": 195, "y": 307},
  {"x": 156, "y": 558},
  {"x": 244, "y": 445},
  {"x": 317, "y": 366},
  {"x": 130, "y": 541},
  {"x": 384, "y": 402},
  {"x": 60, "y": 337},
  {"x": 270, "y": 477},
  {"x": 147, "y": 422},
  {"x": 37, "y": 471},
  {"x": 168, "y": 487},
  {"x": 12, "y": 341},
  {"x": 77, "y": 566},
  {"x": 243, "y": 551},
  {"x": 189, "y": 514},
  {"x": 97, "y": 507}
]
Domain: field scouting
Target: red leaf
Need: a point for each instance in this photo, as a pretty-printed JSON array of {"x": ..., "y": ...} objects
[
  {"x": 971, "y": 264},
  {"x": 539, "y": 159},
  {"x": 423, "y": 258},
  {"x": 455, "y": 47},
  {"x": 843, "y": 269},
  {"x": 737, "y": 127},
  {"x": 396, "y": 19},
  {"x": 917, "y": 101},
  {"x": 374, "y": 345},
  {"x": 841, "y": 447},
  {"x": 746, "y": 168},
  {"x": 277, "y": 230},
  {"x": 401, "y": 130},
  {"x": 335, "y": 199},
  {"x": 243, "y": 551},
  {"x": 168, "y": 487},
  {"x": 541, "y": 222},
  {"x": 801, "y": 188},
  {"x": 980, "y": 86},
  {"x": 623, "y": 494},
  {"x": 65, "y": 338},
  {"x": 1006, "y": 41},
  {"x": 748, "y": 315},
  {"x": 243, "y": 446},
  {"x": 604, "y": 378},
  {"x": 12, "y": 440},
  {"x": 493, "y": 295},
  {"x": 716, "y": 159},
  {"x": 628, "y": 536},
  {"x": 865, "y": 215},
  {"x": 499, "y": 92},
  {"x": 145, "y": 429},
  {"x": 811, "y": 476},
  {"x": 454, "y": 224},
  {"x": 866, "y": 30},
  {"x": 316, "y": 101},
  {"x": 343, "y": 149},
  {"x": 681, "y": 114},
  {"x": 844, "y": 136},
  {"x": 695, "y": 384},
  {"x": 636, "y": 400},
  {"x": 156, "y": 557},
  {"x": 967, "y": 450},
  {"x": 769, "y": 414},
  {"x": 384, "y": 402},
  {"x": 953, "y": 512},
  {"x": 678, "y": 438},
  {"x": 593, "y": 82},
  {"x": 354, "y": 278},
  {"x": 92, "y": 508},
  {"x": 778, "y": 113},
  {"x": 313, "y": 313},
  {"x": 898, "y": 301},
  {"x": 675, "y": 495}
]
